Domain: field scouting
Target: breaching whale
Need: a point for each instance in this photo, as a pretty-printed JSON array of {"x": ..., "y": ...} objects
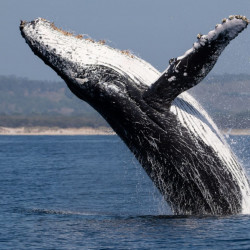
[{"x": 168, "y": 131}]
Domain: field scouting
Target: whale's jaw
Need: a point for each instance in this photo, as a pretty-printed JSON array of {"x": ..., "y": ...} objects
[
  {"x": 173, "y": 138},
  {"x": 91, "y": 69}
]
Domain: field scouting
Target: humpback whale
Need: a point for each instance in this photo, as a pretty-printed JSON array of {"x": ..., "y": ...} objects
[{"x": 168, "y": 131}]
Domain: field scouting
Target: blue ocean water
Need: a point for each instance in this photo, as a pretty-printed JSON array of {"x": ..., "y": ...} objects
[{"x": 88, "y": 192}]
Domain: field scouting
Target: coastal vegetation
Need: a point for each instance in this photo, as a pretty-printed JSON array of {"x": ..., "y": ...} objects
[{"x": 29, "y": 103}]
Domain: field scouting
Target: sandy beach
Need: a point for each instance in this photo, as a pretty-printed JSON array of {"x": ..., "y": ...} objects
[
  {"x": 236, "y": 131},
  {"x": 85, "y": 131},
  {"x": 55, "y": 131}
]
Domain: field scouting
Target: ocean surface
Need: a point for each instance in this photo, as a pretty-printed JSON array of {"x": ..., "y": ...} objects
[{"x": 89, "y": 192}]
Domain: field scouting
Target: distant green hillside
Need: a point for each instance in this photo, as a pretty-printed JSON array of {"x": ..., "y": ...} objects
[
  {"x": 23, "y": 96},
  {"x": 24, "y": 102},
  {"x": 226, "y": 98}
]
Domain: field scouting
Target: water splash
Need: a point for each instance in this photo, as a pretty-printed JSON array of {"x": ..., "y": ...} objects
[{"x": 240, "y": 147}]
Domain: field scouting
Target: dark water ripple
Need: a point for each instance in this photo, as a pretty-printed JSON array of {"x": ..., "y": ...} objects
[{"x": 88, "y": 192}]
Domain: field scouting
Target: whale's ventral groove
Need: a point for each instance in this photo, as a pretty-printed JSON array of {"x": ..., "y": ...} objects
[{"x": 168, "y": 131}]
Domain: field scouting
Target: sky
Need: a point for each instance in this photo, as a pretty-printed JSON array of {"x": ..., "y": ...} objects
[{"x": 155, "y": 30}]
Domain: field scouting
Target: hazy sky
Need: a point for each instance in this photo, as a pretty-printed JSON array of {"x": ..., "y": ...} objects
[{"x": 156, "y": 30}]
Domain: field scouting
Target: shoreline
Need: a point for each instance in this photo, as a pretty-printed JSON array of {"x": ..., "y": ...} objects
[
  {"x": 85, "y": 131},
  {"x": 236, "y": 131},
  {"x": 56, "y": 131}
]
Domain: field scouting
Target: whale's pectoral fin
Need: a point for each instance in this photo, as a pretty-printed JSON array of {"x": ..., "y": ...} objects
[{"x": 188, "y": 70}]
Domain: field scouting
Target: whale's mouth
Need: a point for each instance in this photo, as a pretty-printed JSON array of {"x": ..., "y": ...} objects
[
  {"x": 91, "y": 69},
  {"x": 56, "y": 46}
]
